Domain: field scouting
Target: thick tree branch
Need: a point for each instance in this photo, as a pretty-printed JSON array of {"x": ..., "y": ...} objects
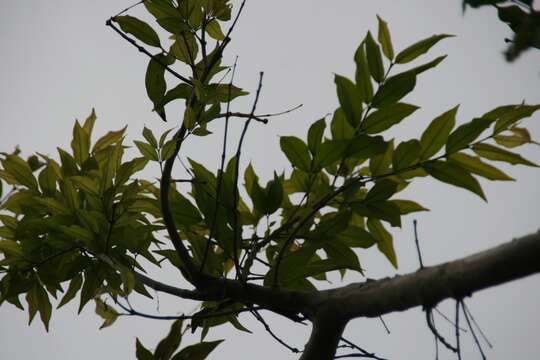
[{"x": 428, "y": 286}]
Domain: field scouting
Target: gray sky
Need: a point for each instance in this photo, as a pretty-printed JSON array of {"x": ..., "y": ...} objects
[{"x": 58, "y": 60}]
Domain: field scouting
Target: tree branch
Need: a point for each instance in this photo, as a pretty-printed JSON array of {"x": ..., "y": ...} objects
[{"x": 456, "y": 279}]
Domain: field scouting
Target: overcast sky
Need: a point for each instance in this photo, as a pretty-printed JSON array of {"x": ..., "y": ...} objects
[{"x": 58, "y": 60}]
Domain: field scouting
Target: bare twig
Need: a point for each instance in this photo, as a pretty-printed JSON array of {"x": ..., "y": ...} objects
[
  {"x": 363, "y": 352},
  {"x": 431, "y": 326},
  {"x": 458, "y": 345},
  {"x": 236, "y": 175},
  {"x": 472, "y": 331},
  {"x": 415, "y": 225},
  {"x": 258, "y": 316},
  {"x": 477, "y": 326}
]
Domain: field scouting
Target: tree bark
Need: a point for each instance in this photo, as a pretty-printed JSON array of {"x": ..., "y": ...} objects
[{"x": 456, "y": 279}]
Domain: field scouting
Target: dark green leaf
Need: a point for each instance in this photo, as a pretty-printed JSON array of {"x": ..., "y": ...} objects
[
  {"x": 378, "y": 165},
  {"x": 349, "y": 99},
  {"x": 365, "y": 146},
  {"x": 198, "y": 351},
  {"x": 420, "y": 69},
  {"x": 406, "y": 154},
  {"x": 149, "y": 136},
  {"x": 465, "y": 134},
  {"x": 315, "y": 134},
  {"x": 141, "y": 352},
  {"x": 296, "y": 151},
  {"x": 139, "y": 29},
  {"x": 387, "y": 117},
  {"x": 174, "y": 25},
  {"x": 453, "y": 174},
  {"x": 374, "y": 58},
  {"x": 329, "y": 152},
  {"x": 73, "y": 289},
  {"x": 170, "y": 343},
  {"x": 340, "y": 128},
  {"x": 355, "y": 236},
  {"x": 394, "y": 89},
  {"x": 363, "y": 78},
  {"x": 512, "y": 116},
  {"x": 419, "y": 48},
  {"x": 382, "y": 190}
]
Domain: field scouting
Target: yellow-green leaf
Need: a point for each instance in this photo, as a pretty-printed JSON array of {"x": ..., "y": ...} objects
[
  {"x": 436, "y": 134},
  {"x": 20, "y": 170},
  {"x": 363, "y": 78},
  {"x": 214, "y": 30},
  {"x": 421, "y": 47},
  {"x": 108, "y": 313},
  {"x": 384, "y": 39},
  {"x": 495, "y": 153},
  {"x": 374, "y": 58},
  {"x": 478, "y": 167}
]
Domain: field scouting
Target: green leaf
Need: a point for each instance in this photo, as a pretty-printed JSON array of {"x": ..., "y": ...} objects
[
  {"x": 465, "y": 134},
  {"x": 436, "y": 134},
  {"x": 362, "y": 77},
  {"x": 40, "y": 299},
  {"x": 181, "y": 91},
  {"x": 382, "y": 190},
  {"x": 349, "y": 99},
  {"x": 86, "y": 184},
  {"x": 173, "y": 24},
  {"x": 421, "y": 47},
  {"x": 73, "y": 289},
  {"x": 139, "y": 29},
  {"x": 340, "y": 128},
  {"x": 69, "y": 167},
  {"x": 406, "y": 154},
  {"x": 512, "y": 116},
  {"x": 47, "y": 180},
  {"x": 384, "y": 210},
  {"x": 408, "y": 206},
  {"x": 155, "y": 82},
  {"x": 431, "y": 64},
  {"x": 453, "y": 174},
  {"x": 378, "y": 165},
  {"x": 112, "y": 137},
  {"x": 385, "y": 39},
  {"x": 168, "y": 149},
  {"x": 296, "y": 151},
  {"x": 89, "y": 289},
  {"x": 21, "y": 171},
  {"x": 147, "y": 150},
  {"x": 223, "y": 92},
  {"x": 170, "y": 343},
  {"x": 355, "y": 236},
  {"x": 88, "y": 125},
  {"x": 374, "y": 59},
  {"x": 384, "y": 240},
  {"x": 478, "y": 167},
  {"x": 198, "y": 351},
  {"x": 365, "y": 146},
  {"x": 329, "y": 152},
  {"x": 106, "y": 312},
  {"x": 185, "y": 48},
  {"x": 315, "y": 134},
  {"x": 141, "y": 352},
  {"x": 342, "y": 256},
  {"x": 520, "y": 136},
  {"x": 495, "y": 153},
  {"x": 394, "y": 89},
  {"x": 80, "y": 144},
  {"x": 214, "y": 30},
  {"x": 387, "y": 117},
  {"x": 149, "y": 136}
]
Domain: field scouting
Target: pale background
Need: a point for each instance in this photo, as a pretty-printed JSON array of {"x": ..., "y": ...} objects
[{"x": 58, "y": 60}]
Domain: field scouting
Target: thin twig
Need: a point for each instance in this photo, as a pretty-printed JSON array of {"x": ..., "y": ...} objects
[
  {"x": 236, "y": 175},
  {"x": 258, "y": 316},
  {"x": 222, "y": 167},
  {"x": 415, "y": 224},
  {"x": 441, "y": 314},
  {"x": 458, "y": 345},
  {"x": 146, "y": 52},
  {"x": 384, "y": 324},
  {"x": 364, "y": 352},
  {"x": 129, "y": 8},
  {"x": 431, "y": 326},
  {"x": 472, "y": 331},
  {"x": 477, "y": 326}
]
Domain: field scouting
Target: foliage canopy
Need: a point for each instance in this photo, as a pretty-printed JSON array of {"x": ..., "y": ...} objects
[{"x": 80, "y": 223}]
